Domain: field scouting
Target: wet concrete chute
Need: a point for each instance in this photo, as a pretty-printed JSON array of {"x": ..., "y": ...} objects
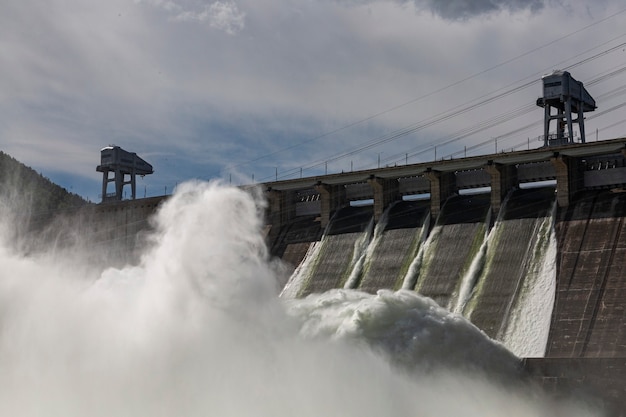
[
  {"x": 451, "y": 247},
  {"x": 397, "y": 245},
  {"x": 516, "y": 249}
]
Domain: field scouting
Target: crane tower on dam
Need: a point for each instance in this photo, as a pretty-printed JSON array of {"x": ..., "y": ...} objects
[
  {"x": 566, "y": 95},
  {"x": 125, "y": 166}
]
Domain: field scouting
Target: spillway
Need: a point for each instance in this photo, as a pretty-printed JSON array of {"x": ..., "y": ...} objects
[
  {"x": 451, "y": 247},
  {"x": 514, "y": 248},
  {"x": 396, "y": 247},
  {"x": 334, "y": 259},
  {"x": 544, "y": 280},
  {"x": 295, "y": 241}
]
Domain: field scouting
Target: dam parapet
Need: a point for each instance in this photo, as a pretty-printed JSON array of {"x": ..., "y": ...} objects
[{"x": 572, "y": 167}]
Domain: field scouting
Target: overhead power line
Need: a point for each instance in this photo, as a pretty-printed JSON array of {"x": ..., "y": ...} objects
[
  {"x": 432, "y": 93},
  {"x": 455, "y": 111}
]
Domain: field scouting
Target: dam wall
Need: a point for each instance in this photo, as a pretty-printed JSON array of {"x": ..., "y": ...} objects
[
  {"x": 548, "y": 282},
  {"x": 110, "y": 234},
  {"x": 451, "y": 247},
  {"x": 341, "y": 247},
  {"x": 530, "y": 246},
  {"x": 595, "y": 381},
  {"x": 396, "y": 243},
  {"x": 589, "y": 319},
  {"x": 516, "y": 250},
  {"x": 468, "y": 262}
]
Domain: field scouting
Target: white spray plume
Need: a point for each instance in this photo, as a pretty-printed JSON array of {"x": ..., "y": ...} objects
[{"x": 197, "y": 329}]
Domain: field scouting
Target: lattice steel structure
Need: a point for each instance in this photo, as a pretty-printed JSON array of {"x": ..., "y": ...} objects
[
  {"x": 121, "y": 163},
  {"x": 562, "y": 92}
]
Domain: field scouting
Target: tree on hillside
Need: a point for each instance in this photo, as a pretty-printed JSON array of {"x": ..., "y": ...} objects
[{"x": 30, "y": 199}]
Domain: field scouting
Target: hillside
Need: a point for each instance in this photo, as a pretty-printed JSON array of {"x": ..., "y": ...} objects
[{"x": 28, "y": 196}]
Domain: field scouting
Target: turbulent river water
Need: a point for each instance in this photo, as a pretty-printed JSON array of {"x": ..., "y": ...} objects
[{"x": 197, "y": 328}]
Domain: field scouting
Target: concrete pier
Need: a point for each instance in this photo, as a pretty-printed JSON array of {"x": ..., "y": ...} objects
[
  {"x": 385, "y": 193},
  {"x": 332, "y": 197},
  {"x": 503, "y": 179},
  {"x": 442, "y": 186},
  {"x": 568, "y": 178}
]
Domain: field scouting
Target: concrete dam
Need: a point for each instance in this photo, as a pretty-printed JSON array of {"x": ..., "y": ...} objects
[{"x": 530, "y": 246}]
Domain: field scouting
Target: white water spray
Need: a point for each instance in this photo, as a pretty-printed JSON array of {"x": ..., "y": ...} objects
[
  {"x": 469, "y": 278},
  {"x": 366, "y": 252},
  {"x": 302, "y": 272},
  {"x": 362, "y": 248},
  {"x": 528, "y": 326},
  {"x": 412, "y": 274},
  {"x": 196, "y": 329}
]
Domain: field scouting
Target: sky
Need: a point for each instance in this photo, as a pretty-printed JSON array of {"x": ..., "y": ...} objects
[{"x": 255, "y": 90}]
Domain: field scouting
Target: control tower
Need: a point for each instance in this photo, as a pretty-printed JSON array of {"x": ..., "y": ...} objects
[
  {"x": 562, "y": 92},
  {"x": 121, "y": 163}
]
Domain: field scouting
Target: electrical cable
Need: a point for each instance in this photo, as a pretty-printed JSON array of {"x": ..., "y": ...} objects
[
  {"x": 449, "y": 114},
  {"x": 432, "y": 93}
]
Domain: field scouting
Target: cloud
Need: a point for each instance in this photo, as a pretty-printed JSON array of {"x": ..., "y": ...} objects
[
  {"x": 223, "y": 15},
  {"x": 161, "y": 78},
  {"x": 467, "y": 9}
]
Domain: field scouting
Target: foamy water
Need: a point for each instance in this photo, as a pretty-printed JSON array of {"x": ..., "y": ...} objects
[
  {"x": 197, "y": 329},
  {"x": 529, "y": 324}
]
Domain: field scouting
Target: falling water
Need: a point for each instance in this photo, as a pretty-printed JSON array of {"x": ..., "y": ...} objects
[
  {"x": 410, "y": 279},
  {"x": 196, "y": 329},
  {"x": 364, "y": 246},
  {"x": 471, "y": 275},
  {"x": 528, "y": 324},
  {"x": 454, "y": 243},
  {"x": 299, "y": 277}
]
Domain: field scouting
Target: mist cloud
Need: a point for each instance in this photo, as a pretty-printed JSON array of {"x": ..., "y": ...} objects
[{"x": 196, "y": 329}]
